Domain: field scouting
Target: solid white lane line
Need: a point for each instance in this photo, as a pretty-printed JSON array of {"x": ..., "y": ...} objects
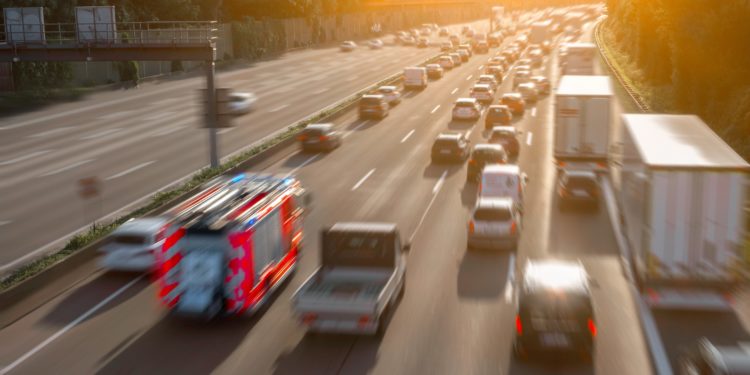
[
  {"x": 279, "y": 108},
  {"x": 5, "y": 222},
  {"x": 439, "y": 182},
  {"x": 407, "y": 136},
  {"x": 131, "y": 170},
  {"x": 480, "y": 67},
  {"x": 533, "y": 112},
  {"x": 101, "y": 134},
  {"x": 529, "y": 137},
  {"x": 510, "y": 279},
  {"x": 65, "y": 168},
  {"x": 70, "y": 326},
  {"x": 358, "y": 184},
  {"x": 470, "y": 77},
  {"x": 454, "y": 91},
  {"x": 121, "y": 114},
  {"x": 304, "y": 163},
  {"x": 435, "y": 109},
  {"x": 50, "y": 132},
  {"x": 25, "y": 157}
]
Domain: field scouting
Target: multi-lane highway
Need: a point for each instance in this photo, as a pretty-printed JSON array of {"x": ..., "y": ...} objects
[
  {"x": 138, "y": 141},
  {"x": 456, "y": 316}
]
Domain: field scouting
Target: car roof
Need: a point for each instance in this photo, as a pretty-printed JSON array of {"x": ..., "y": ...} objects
[
  {"x": 466, "y": 100},
  {"x": 539, "y": 78},
  {"x": 325, "y": 126},
  {"x": 387, "y": 88},
  {"x": 145, "y": 225},
  {"x": 449, "y": 135},
  {"x": 487, "y": 76},
  {"x": 363, "y": 227},
  {"x": 482, "y": 86},
  {"x": 553, "y": 274},
  {"x": 580, "y": 174},
  {"x": 501, "y": 169},
  {"x": 494, "y": 202},
  {"x": 513, "y": 95},
  {"x": 527, "y": 85},
  {"x": 488, "y": 146},
  {"x": 371, "y": 96},
  {"x": 499, "y": 106},
  {"x": 502, "y": 129},
  {"x": 432, "y": 65}
]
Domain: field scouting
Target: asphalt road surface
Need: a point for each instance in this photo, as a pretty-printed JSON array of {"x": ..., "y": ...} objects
[
  {"x": 139, "y": 141},
  {"x": 456, "y": 316}
]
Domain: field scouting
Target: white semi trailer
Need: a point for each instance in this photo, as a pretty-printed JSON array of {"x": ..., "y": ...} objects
[{"x": 682, "y": 193}]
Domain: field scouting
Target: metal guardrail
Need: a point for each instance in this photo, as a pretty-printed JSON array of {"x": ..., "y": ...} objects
[
  {"x": 110, "y": 34},
  {"x": 634, "y": 96}
]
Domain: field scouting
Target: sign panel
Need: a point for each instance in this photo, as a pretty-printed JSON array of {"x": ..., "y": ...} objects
[
  {"x": 96, "y": 24},
  {"x": 24, "y": 25}
]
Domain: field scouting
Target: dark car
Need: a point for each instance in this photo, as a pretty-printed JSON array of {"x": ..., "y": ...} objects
[
  {"x": 319, "y": 137},
  {"x": 434, "y": 71},
  {"x": 497, "y": 71},
  {"x": 542, "y": 84},
  {"x": 450, "y": 147},
  {"x": 373, "y": 106},
  {"x": 481, "y": 155},
  {"x": 482, "y": 47},
  {"x": 554, "y": 312},
  {"x": 497, "y": 115},
  {"x": 515, "y": 102},
  {"x": 506, "y": 136},
  {"x": 578, "y": 187}
]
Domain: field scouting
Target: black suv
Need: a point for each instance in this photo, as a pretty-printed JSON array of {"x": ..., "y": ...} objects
[
  {"x": 450, "y": 147},
  {"x": 481, "y": 155},
  {"x": 554, "y": 312}
]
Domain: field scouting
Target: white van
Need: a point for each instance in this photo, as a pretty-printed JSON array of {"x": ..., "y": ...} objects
[
  {"x": 415, "y": 77},
  {"x": 502, "y": 181}
]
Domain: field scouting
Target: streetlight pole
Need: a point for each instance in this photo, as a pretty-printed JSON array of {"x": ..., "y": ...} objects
[{"x": 213, "y": 147}]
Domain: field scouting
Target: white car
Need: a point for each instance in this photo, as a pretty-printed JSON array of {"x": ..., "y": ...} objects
[
  {"x": 446, "y": 62},
  {"x": 488, "y": 79},
  {"x": 495, "y": 223},
  {"x": 348, "y": 46},
  {"x": 528, "y": 92},
  {"x": 241, "y": 103},
  {"x": 466, "y": 109},
  {"x": 134, "y": 245},
  {"x": 482, "y": 93},
  {"x": 391, "y": 94},
  {"x": 375, "y": 44}
]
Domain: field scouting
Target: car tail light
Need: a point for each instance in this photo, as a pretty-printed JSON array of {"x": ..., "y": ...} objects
[
  {"x": 471, "y": 226},
  {"x": 323, "y": 138},
  {"x": 653, "y": 295},
  {"x": 363, "y": 320},
  {"x": 309, "y": 318},
  {"x": 513, "y": 228},
  {"x": 472, "y": 161},
  {"x": 302, "y": 137},
  {"x": 592, "y": 327},
  {"x": 519, "y": 326},
  {"x": 729, "y": 298}
]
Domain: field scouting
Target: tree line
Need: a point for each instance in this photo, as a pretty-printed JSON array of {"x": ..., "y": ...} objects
[{"x": 696, "y": 53}]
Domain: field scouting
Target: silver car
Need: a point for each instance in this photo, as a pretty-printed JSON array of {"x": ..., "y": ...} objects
[{"x": 495, "y": 223}]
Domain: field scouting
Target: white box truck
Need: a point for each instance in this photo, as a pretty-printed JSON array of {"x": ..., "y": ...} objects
[
  {"x": 578, "y": 58},
  {"x": 540, "y": 32},
  {"x": 583, "y": 110},
  {"x": 681, "y": 191}
]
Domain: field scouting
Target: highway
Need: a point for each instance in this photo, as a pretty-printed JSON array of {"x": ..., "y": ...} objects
[
  {"x": 139, "y": 141},
  {"x": 456, "y": 316}
]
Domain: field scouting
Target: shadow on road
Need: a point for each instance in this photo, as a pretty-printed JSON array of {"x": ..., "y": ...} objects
[
  {"x": 87, "y": 296},
  {"x": 556, "y": 366},
  {"x": 329, "y": 354},
  {"x": 304, "y": 156},
  {"x": 483, "y": 273}
]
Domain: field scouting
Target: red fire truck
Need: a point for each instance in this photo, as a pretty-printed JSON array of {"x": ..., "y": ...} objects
[{"x": 230, "y": 246}]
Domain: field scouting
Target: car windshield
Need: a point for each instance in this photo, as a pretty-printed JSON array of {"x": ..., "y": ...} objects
[
  {"x": 465, "y": 105},
  {"x": 446, "y": 143},
  {"x": 129, "y": 239},
  {"x": 492, "y": 214},
  {"x": 502, "y": 135},
  {"x": 581, "y": 183},
  {"x": 485, "y": 154}
]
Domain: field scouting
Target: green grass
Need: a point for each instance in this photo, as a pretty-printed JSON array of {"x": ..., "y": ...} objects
[{"x": 168, "y": 197}]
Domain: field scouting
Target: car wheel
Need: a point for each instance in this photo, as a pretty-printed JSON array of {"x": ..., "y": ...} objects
[{"x": 383, "y": 321}]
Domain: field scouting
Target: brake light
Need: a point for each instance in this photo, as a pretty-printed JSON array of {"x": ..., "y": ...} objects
[
  {"x": 652, "y": 295},
  {"x": 363, "y": 320},
  {"x": 519, "y": 326},
  {"x": 471, "y": 226},
  {"x": 592, "y": 327},
  {"x": 323, "y": 138},
  {"x": 472, "y": 161},
  {"x": 309, "y": 318},
  {"x": 729, "y": 298},
  {"x": 513, "y": 228}
]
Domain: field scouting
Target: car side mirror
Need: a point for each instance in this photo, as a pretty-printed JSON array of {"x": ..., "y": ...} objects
[{"x": 405, "y": 248}]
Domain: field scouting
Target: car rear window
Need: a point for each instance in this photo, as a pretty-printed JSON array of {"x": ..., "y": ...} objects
[
  {"x": 371, "y": 101},
  {"x": 480, "y": 88},
  {"x": 487, "y": 155},
  {"x": 465, "y": 104},
  {"x": 446, "y": 143},
  {"x": 129, "y": 239},
  {"x": 492, "y": 214},
  {"x": 581, "y": 183},
  {"x": 497, "y": 112}
]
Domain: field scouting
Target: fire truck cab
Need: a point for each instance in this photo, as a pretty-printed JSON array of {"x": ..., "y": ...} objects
[{"x": 230, "y": 246}]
